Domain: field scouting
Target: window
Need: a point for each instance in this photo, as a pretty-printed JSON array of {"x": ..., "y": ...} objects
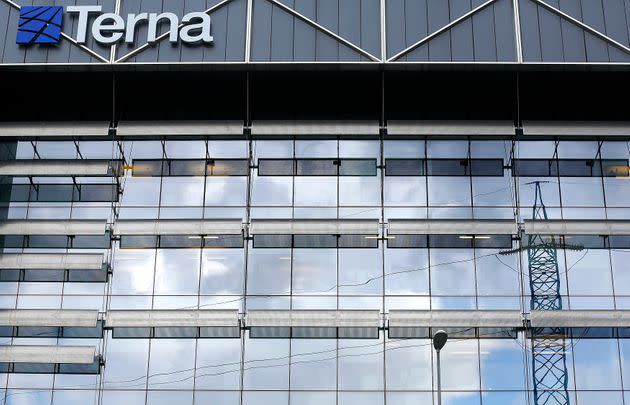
[
  {"x": 185, "y": 167},
  {"x": 569, "y": 167},
  {"x": 317, "y": 167}
]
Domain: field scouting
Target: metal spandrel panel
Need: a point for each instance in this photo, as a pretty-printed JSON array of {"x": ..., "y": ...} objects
[
  {"x": 452, "y": 227},
  {"x": 462, "y": 33},
  {"x": 168, "y": 52},
  {"x": 455, "y": 128},
  {"x": 13, "y": 53},
  {"x": 615, "y": 17},
  {"x": 327, "y": 48},
  {"x": 47, "y": 354},
  {"x": 504, "y": 31},
  {"x": 438, "y": 16},
  {"x": 315, "y": 128},
  {"x": 216, "y": 51},
  {"x": 416, "y": 28},
  {"x": 455, "y": 318},
  {"x": 395, "y": 14},
  {"x": 577, "y": 319},
  {"x": 46, "y": 261},
  {"x": 45, "y": 317},
  {"x": 577, "y": 227},
  {"x": 576, "y": 128},
  {"x": 175, "y": 128},
  {"x": 172, "y": 318},
  {"x": 551, "y": 35},
  {"x": 574, "y": 47},
  {"x": 314, "y": 227},
  {"x": 57, "y": 168},
  {"x": 313, "y": 318},
  {"x": 178, "y": 227},
  {"x": 52, "y": 227},
  {"x": 370, "y": 29},
  {"x": 593, "y": 16},
  {"x": 192, "y": 53},
  {"x": 53, "y": 129},
  {"x": 261, "y": 31},
  {"x": 235, "y": 32},
  {"x": 350, "y": 27},
  {"x": 304, "y": 44},
  {"x": 5, "y": 10},
  {"x": 530, "y": 34},
  {"x": 282, "y": 33}
]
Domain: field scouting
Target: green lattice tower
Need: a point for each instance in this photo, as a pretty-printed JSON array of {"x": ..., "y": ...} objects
[{"x": 548, "y": 344}]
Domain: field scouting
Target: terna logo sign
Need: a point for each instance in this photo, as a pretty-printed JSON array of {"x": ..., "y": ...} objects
[
  {"x": 39, "y": 25},
  {"x": 42, "y": 25}
]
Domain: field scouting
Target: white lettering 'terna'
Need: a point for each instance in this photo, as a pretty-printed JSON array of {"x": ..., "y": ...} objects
[{"x": 108, "y": 28}]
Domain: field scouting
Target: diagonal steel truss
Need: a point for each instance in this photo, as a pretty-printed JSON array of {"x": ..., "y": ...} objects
[{"x": 548, "y": 344}]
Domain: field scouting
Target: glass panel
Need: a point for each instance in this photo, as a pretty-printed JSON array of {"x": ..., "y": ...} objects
[
  {"x": 313, "y": 364},
  {"x": 360, "y": 367},
  {"x": 448, "y": 167},
  {"x": 268, "y": 364},
  {"x": 276, "y": 167},
  {"x": 314, "y": 271},
  {"x": 357, "y": 167},
  {"x": 404, "y": 167},
  {"x": 408, "y": 364},
  {"x": 597, "y": 364},
  {"x": 502, "y": 366},
  {"x": 170, "y": 356},
  {"x": 317, "y": 167}
]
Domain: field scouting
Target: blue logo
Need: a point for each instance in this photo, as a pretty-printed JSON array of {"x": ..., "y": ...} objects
[{"x": 39, "y": 25}]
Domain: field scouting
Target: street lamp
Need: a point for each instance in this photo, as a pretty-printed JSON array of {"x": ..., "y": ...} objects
[{"x": 439, "y": 340}]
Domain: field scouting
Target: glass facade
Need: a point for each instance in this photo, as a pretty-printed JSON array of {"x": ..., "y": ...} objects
[{"x": 318, "y": 179}]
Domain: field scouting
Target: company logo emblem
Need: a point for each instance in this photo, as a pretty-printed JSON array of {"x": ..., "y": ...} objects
[{"x": 39, "y": 25}]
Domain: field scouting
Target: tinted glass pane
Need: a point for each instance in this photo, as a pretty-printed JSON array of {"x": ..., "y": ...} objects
[
  {"x": 228, "y": 167},
  {"x": 185, "y": 168},
  {"x": 619, "y": 241},
  {"x": 486, "y": 167},
  {"x": 407, "y": 241},
  {"x": 16, "y": 192},
  {"x": 96, "y": 193},
  {"x": 317, "y": 167},
  {"x": 577, "y": 168},
  {"x": 534, "y": 167},
  {"x": 404, "y": 167},
  {"x": 272, "y": 241},
  {"x": 41, "y": 241},
  {"x": 493, "y": 241},
  {"x": 276, "y": 167},
  {"x": 358, "y": 241},
  {"x": 132, "y": 241},
  {"x": 447, "y": 167},
  {"x": 615, "y": 168},
  {"x": 180, "y": 241},
  {"x": 91, "y": 241},
  {"x": 53, "y": 192},
  {"x": 450, "y": 241},
  {"x": 44, "y": 275},
  {"x": 350, "y": 167},
  {"x": 227, "y": 241},
  {"x": 147, "y": 168},
  {"x": 314, "y": 241}
]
